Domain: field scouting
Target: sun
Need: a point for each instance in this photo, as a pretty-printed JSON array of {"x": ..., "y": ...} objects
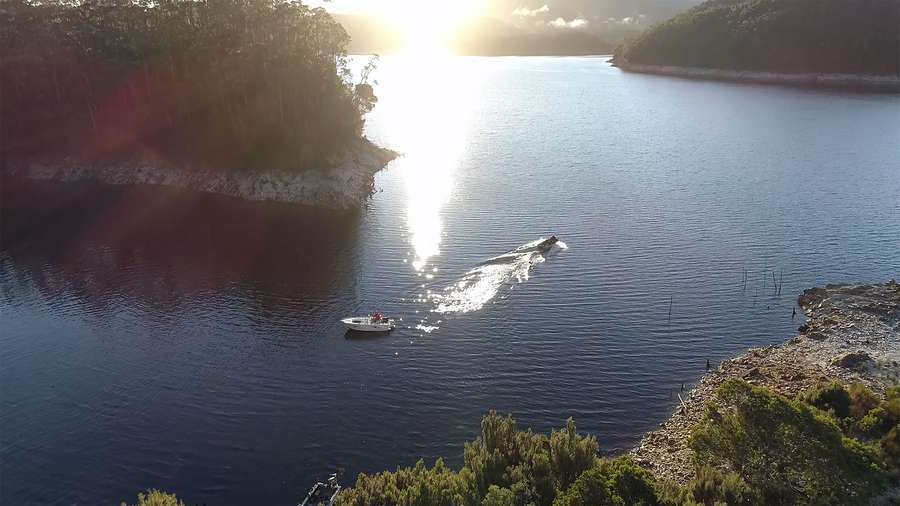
[{"x": 427, "y": 26}]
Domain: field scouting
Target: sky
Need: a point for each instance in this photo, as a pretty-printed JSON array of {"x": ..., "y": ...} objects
[
  {"x": 549, "y": 13},
  {"x": 428, "y": 25}
]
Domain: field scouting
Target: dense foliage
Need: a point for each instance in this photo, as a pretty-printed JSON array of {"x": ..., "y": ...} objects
[
  {"x": 753, "y": 447},
  {"x": 156, "y": 498},
  {"x": 502, "y": 464},
  {"x": 219, "y": 83},
  {"x": 820, "y": 36},
  {"x": 856, "y": 409},
  {"x": 789, "y": 452}
]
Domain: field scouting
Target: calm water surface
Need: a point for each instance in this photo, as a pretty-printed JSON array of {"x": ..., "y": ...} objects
[{"x": 191, "y": 343}]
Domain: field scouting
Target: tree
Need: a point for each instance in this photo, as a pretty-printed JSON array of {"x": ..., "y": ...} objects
[
  {"x": 819, "y": 36},
  {"x": 611, "y": 482},
  {"x": 416, "y": 486},
  {"x": 787, "y": 451},
  {"x": 832, "y": 398},
  {"x": 571, "y": 454},
  {"x": 156, "y": 498},
  {"x": 712, "y": 486},
  {"x": 221, "y": 84},
  {"x": 497, "y": 496},
  {"x": 502, "y": 464}
]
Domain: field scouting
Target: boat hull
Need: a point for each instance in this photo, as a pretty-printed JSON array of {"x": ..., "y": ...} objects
[{"x": 366, "y": 325}]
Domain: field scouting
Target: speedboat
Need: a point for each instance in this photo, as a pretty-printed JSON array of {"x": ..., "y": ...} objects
[
  {"x": 323, "y": 494},
  {"x": 371, "y": 323},
  {"x": 545, "y": 245}
]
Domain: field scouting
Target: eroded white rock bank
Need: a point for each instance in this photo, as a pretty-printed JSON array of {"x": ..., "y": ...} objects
[
  {"x": 851, "y": 334},
  {"x": 876, "y": 83},
  {"x": 346, "y": 185}
]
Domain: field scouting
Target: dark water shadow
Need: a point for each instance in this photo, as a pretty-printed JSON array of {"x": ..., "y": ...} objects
[
  {"x": 165, "y": 248},
  {"x": 355, "y": 335}
]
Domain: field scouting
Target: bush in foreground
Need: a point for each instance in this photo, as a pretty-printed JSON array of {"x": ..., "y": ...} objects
[
  {"x": 787, "y": 451},
  {"x": 156, "y": 498},
  {"x": 503, "y": 464},
  {"x": 753, "y": 447}
]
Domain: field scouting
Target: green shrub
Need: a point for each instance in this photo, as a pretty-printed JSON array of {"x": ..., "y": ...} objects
[
  {"x": 570, "y": 455},
  {"x": 890, "y": 448},
  {"x": 875, "y": 424},
  {"x": 670, "y": 494},
  {"x": 862, "y": 400},
  {"x": 497, "y": 496},
  {"x": 831, "y": 398},
  {"x": 784, "y": 450},
  {"x": 752, "y": 447},
  {"x": 156, "y": 498},
  {"x": 611, "y": 482},
  {"x": 712, "y": 486},
  {"x": 891, "y": 405},
  {"x": 416, "y": 486},
  {"x": 502, "y": 464},
  {"x": 590, "y": 489}
]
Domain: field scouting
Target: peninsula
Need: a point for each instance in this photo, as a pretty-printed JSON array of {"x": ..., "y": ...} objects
[
  {"x": 829, "y": 43},
  {"x": 251, "y": 99}
]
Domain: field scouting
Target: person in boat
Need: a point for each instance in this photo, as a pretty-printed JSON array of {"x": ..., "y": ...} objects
[{"x": 377, "y": 317}]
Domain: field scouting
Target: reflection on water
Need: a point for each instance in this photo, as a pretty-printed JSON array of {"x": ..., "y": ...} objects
[
  {"x": 424, "y": 113},
  {"x": 168, "y": 251},
  {"x": 481, "y": 284}
]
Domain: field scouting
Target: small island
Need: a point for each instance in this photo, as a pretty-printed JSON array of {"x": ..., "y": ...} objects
[
  {"x": 829, "y": 43},
  {"x": 253, "y": 100}
]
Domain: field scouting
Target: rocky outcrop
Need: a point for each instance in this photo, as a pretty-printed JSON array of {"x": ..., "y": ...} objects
[
  {"x": 347, "y": 184},
  {"x": 848, "y": 81},
  {"x": 852, "y": 334}
]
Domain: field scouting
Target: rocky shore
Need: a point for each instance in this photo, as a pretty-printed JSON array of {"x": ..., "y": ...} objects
[
  {"x": 345, "y": 185},
  {"x": 890, "y": 84},
  {"x": 852, "y": 334}
]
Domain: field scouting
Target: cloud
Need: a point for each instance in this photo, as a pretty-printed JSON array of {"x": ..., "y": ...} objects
[
  {"x": 627, "y": 21},
  {"x": 575, "y": 23},
  {"x": 525, "y": 12}
]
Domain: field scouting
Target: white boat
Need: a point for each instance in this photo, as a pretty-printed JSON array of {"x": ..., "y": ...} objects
[{"x": 371, "y": 323}]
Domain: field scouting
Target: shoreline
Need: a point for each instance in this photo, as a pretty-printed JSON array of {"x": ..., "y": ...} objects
[
  {"x": 347, "y": 185},
  {"x": 852, "y": 334},
  {"x": 861, "y": 82}
]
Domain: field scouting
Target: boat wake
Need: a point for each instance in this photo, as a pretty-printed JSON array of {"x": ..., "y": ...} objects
[{"x": 481, "y": 284}]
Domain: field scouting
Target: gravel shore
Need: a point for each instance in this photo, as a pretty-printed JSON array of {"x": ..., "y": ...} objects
[
  {"x": 852, "y": 334},
  {"x": 875, "y": 83}
]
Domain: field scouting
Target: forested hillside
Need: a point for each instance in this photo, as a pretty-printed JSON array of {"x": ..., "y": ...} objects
[
  {"x": 817, "y": 36},
  {"x": 218, "y": 83}
]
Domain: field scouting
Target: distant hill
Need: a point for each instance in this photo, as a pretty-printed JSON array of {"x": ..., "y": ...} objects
[
  {"x": 487, "y": 37},
  {"x": 367, "y": 35},
  {"x": 490, "y": 37},
  {"x": 815, "y": 36}
]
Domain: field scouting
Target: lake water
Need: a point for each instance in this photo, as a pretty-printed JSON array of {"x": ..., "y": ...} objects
[{"x": 191, "y": 343}]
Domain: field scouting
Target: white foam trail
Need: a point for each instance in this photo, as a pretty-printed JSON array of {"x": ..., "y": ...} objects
[{"x": 481, "y": 284}]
